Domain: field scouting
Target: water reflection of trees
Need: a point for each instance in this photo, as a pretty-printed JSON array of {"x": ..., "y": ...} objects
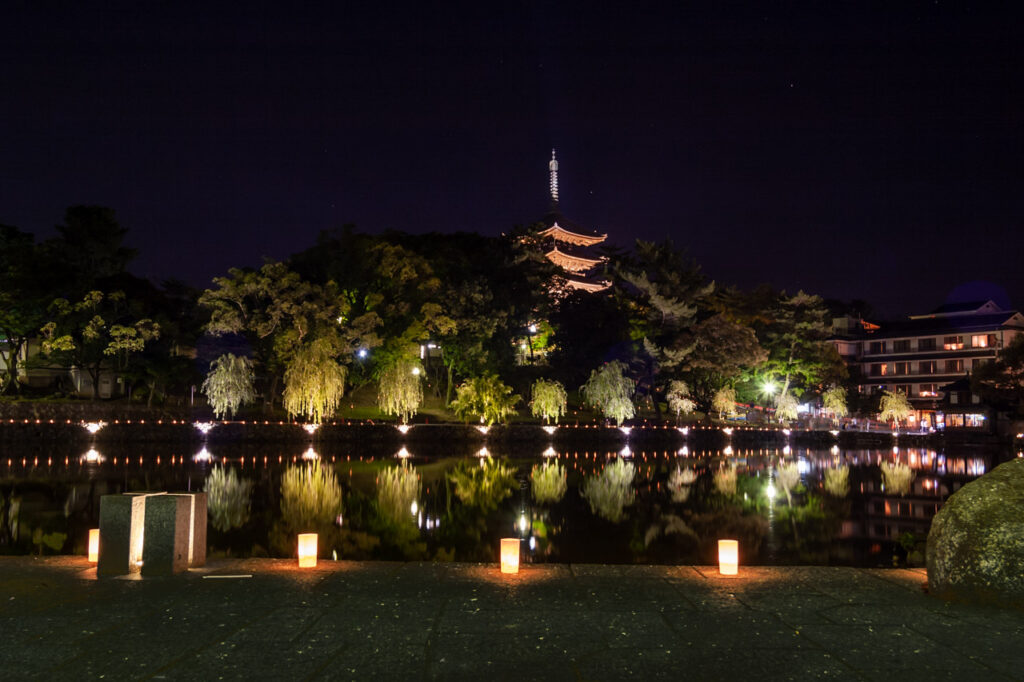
[
  {"x": 610, "y": 492},
  {"x": 549, "y": 482}
]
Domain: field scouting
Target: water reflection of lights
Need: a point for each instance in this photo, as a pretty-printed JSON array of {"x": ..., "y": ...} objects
[
  {"x": 203, "y": 456},
  {"x": 414, "y": 508},
  {"x": 727, "y": 431},
  {"x": 550, "y": 430},
  {"x": 403, "y": 453},
  {"x": 834, "y": 432},
  {"x": 483, "y": 452},
  {"x": 310, "y": 454},
  {"x": 523, "y": 524},
  {"x": 403, "y": 428},
  {"x": 684, "y": 451},
  {"x": 769, "y": 491},
  {"x": 803, "y": 466},
  {"x": 727, "y": 451},
  {"x": 625, "y": 452},
  {"x": 835, "y": 450},
  {"x": 533, "y": 543},
  {"x": 786, "y": 431},
  {"x": 685, "y": 430},
  {"x": 550, "y": 452},
  {"x": 626, "y": 429},
  {"x": 93, "y": 427},
  {"x": 310, "y": 428},
  {"x": 895, "y": 450},
  {"x": 483, "y": 429},
  {"x": 204, "y": 427},
  {"x": 92, "y": 457},
  {"x": 787, "y": 450}
]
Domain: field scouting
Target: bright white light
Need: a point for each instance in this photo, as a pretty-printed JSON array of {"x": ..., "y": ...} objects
[
  {"x": 550, "y": 452},
  {"x": 522, "y": 346},
  {"x": 431, "y": 346},
  {"x": 803, "y": 466},
  {"x": 311, "y": 428},
  {"x": 727, "y": 431},
  {"x": 834, "y": 432},
  {"x": 625, "y": 452},
  {"x": 533, "y": 329},
  {"x": 728, "y": 450},
  {"x": 403, "y": 428},
  {"x": 483, "y": 429},
  {"x": 415, "y": 371},
  {"x": 786, "y": 431},
  {"x": 550, "y": 430},
  {"x": 769, "y": 490},
  {"x": 533, "y": 543},
  {"x": 204, "y": 427},
  {"x": 835, "y": 449},
  {"x": 483, "y": 453},
  {"x": 769, "y": 387},
  {"x": 786, "y": 450},
  {"x": 895, "y": 450},
  {"x": 362, "y": 353},
  {"x": 523, "y": 525},
  {"x": 414, "y": 508},
  {"x": 403, "y": 453},
  {"x": 310, "y": 454},
  {"x": 683, "y": 430},
  {"x": 203, "y": 456},
  {"x": 92, "y": 456},
  {"x": 93, "y": 427},
  {"x": 684, "y": 451},
  {"x": 626, "y": 429}
]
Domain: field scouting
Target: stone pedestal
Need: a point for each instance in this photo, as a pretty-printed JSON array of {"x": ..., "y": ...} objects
[
  {"x": 122, "y": 526},
  {"x": 168, "y": 526},
  {"x": 197, "y": 530}
]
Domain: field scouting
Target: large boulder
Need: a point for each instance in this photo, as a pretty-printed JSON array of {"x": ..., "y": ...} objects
[{"x": 976, "y": 544}]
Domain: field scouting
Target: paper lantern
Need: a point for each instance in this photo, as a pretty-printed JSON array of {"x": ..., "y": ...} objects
[
  {"x": 728, "y": 557},
  {"x": 307, "y": 550},
  {"x": 94, "y": 545},
  {"x": 510, "y": 555}
]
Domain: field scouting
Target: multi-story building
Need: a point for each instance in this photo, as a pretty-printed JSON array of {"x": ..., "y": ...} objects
[{"x": 929, "y": 356}]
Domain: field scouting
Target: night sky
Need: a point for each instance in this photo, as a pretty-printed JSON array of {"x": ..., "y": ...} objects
[{"x": 852, "y": 150}]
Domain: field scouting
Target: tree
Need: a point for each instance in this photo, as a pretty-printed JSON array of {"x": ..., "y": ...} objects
[
  {"x": 229, "y": 384},
  {"x": 314, "y": 382},
  {"x": 834, "y": 400},
  {"x": 1001, "y": 382},
  {"x": 96, "y": 331},
  {"x": 724, "y": 401},
  {"x": 549, "y": 400},
  {"x": 486, "y": 397},
  {"x": 610, "y": 492},
  {"x": 723, "y": 350},
  {"x": 398, "y": 487},
  {"x": 228, "y": 499},
  {"x": 400, "y": 389},
  {"x": 24, "y": 295},
  {"x": 786, "y": 408},
  {"x": 678, "y": 397},
  {"x": 894, "y": 407},
  {"x": 89, "y": 249},
  {"x": 310, "y": 497},
  {"x": 548, "y": 482},
  {"x": 609, "y": 390}
]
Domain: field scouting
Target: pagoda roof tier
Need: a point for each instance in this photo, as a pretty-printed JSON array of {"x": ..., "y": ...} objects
[
  {"x": 571, "y": 263},
  {"x": 559, "y": 233},
  {"x": 592, "y": 287}
]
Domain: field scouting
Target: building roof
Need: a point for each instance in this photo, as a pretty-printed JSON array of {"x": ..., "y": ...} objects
[
  {"x": 965, "y": 308},
  {"x": 950, "y": 324},
  {"x": 560, "y": 234},
  {"x": 570, "y": 262}
]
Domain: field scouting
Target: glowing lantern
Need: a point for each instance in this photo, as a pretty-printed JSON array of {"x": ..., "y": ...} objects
[
  {"x": 94, "y": 545},
  {"x": 510, "y": 555},
  {"x": 307, "y": 550},
  {"x": 728, "y": 557}
]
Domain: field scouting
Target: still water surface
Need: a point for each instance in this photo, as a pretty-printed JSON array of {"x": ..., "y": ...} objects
[{"x": 786, "y": 506}]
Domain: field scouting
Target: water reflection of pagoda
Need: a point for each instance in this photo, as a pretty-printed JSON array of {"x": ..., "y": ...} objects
[{"x": 570, "y": 246}]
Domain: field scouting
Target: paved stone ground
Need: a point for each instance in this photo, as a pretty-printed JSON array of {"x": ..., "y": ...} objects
[{"x": 413, "y": 621}]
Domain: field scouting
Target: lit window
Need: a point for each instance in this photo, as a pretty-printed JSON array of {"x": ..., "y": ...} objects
[
  {"x": 979, "y": 341},
  {"x": 953, "y": 342}
]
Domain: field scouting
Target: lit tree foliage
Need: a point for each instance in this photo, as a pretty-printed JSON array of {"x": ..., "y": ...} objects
[
  {"x": 400, "y": 389},
  {"x": 397, "y": 488},
  {"x": 894, "y": 407},
  {"x": 314, "y": 382},
  {"x": 310, "y": 497},
  {"x": 483, "y": 486},
  {"x": 229, "y": 385},
  {"x": 228, "y": 498},
  {"x": 788, "y": 476},
  {"x": 549, "y": 400},
  {"x": 897, "y": 477},
  {"x": 786, "y": 407},
  {"x": 725, "y": 481},
  {"x": 723, "y": 351},
  {"x": 549, "y": 482},
  {"x": 834, "y": 400},
  {"x": 609, "y": 390},
  {"x": 96, "y": 331},
  {"x": 678, "y": 398},
  {"x": 485, "y": 397},
  {"x": 609, "y": 493},
  {"x": 724, "y": 402}
]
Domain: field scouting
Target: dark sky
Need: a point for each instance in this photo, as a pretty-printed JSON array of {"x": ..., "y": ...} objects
[{"x": 853, "y": 150}]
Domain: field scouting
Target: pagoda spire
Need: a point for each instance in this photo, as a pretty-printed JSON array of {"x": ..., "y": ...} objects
[{"x": 553, "y": 169}]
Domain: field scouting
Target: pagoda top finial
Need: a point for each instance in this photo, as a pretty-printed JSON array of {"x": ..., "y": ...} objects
[{"x": 553, "y": 169}]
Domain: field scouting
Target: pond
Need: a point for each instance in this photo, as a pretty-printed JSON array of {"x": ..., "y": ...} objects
[{"x": 828, "y": 506}]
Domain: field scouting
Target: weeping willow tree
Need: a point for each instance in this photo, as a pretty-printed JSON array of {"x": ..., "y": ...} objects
[
  {"x": 310, "y": 496},
  {"x": 400, "y": 389},
  {"x": 679, "y": 482},
  {"x": 725, "y": 481},
  {"x": 486, "y": 397},
  {"x": 314, "y": 382},
  {"x": 398, "y": 488},
  {"x": 483, "y": 486},
  {"x": 228, "y": 499},
  {"x": 724, "y": 402},
  {"x": 549, "y": 482},
  {"x": 678, "y": 398},
  {"x": 549, "y": 400},
  {"x": 229, "y": 385},
  {"x": 897, "y": 477},
  {"x": 834, "y": 400},
  {"x": 894, "y": 407},
  {"x": 788, "y": 476},
  {"x": 609, "y": 390},
  {"x": 786, "y": 407},
  {"x": 609, "y": 493}
]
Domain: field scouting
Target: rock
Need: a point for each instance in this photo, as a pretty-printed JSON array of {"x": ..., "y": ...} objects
[{"x": 975, "y": 547}]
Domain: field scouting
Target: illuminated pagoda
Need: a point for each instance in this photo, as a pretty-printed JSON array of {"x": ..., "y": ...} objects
[{"x": 569, "y": 246}]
